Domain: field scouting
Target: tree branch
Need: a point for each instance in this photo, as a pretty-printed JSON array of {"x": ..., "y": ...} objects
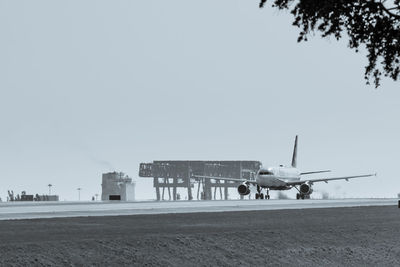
[{"x": 388, "y": 10}]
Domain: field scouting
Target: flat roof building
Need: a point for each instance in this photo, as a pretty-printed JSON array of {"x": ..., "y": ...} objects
[{"x": 117, "y": 186}]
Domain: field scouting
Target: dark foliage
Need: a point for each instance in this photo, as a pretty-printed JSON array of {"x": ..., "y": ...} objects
[{"x": 373, "y": 24}]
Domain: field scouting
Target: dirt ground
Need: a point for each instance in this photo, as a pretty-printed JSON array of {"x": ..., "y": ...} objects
[{"x": 364, "y": 236}]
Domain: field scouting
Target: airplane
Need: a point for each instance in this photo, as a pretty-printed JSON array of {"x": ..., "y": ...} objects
[{"x": 282, "y": 178}]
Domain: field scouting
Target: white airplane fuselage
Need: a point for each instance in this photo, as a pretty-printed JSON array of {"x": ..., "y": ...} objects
[{"x": 276, "y": 178}]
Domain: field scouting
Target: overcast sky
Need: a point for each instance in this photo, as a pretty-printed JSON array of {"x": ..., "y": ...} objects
[{"x": 88, "y": 87}]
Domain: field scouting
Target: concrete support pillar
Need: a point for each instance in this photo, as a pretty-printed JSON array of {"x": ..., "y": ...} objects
[
  {"x": 189, "y": 187},
  {"x": 175, "y": 181},
  {"x": 169, "y": 190},
  {"x": 163, "y": 189},
  {"x": 207, "y": 189},
  {"x": 198, "y": 189},
  {"x": 156, "y": 185}
]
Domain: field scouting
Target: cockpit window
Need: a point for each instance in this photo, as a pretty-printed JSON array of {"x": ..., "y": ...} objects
[{"x": 265, "y": 173}]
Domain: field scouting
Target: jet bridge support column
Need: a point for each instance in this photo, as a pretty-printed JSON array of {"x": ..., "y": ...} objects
[
  {"x": 226, "y": 190},
  {"x": 189, "y": 183},
  {"x": 207, "y": 189},
  {"x": 157, "y": 186},
  {"x": 175, "y": 184},
  {"x": 189, "y": 188}
]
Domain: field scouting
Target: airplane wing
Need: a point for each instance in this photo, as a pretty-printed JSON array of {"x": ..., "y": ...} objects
[
  {"x": 226, "y": 179},
  {"x": 313, "y": 172},
  {"x": 329, "y": 179}
]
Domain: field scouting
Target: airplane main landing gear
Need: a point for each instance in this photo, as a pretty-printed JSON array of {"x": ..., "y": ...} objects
[
  {"x": 260, "y": 195},
  {"x": 302, "y": 196}
]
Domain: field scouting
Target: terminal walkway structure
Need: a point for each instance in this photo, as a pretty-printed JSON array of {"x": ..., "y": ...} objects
[{"x": 181, "y": 173}]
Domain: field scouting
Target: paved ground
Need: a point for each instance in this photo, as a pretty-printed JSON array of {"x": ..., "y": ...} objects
[
  {"x": 353, "y": 236},
  {"x": 26, "y": 210}
]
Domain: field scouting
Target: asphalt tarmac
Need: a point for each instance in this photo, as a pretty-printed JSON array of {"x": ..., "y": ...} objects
[
  {"x": 350, "y": 236},
  {"x": 35, "y": 210}
]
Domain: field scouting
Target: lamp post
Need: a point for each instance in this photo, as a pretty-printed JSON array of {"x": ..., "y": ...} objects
[
  {"x": 49, "y": 185},
  {"x": 79, "y": 193}
]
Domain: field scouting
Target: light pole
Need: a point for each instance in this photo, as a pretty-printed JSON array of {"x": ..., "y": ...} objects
[
  {"x": 49, "y": 185},
  {"x": 79, "y": 193},
  {"x": 96, "y": 195}
]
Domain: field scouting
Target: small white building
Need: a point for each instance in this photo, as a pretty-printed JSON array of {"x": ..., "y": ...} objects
[{"x": 117, "y": 186}]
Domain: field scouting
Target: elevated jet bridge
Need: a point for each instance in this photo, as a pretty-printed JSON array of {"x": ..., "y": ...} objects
[{"x": 180, "y": 173}]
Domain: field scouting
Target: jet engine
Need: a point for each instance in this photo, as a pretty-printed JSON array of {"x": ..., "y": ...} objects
[
  {"x": 243, "y": 189},
  {"x": 306, "y": 189}
]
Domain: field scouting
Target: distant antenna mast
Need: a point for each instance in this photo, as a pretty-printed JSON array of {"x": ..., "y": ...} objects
[{"x": 79, "y": 193}]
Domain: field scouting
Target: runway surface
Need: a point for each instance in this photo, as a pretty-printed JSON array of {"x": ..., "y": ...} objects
[{"x": 36, "y": 210}]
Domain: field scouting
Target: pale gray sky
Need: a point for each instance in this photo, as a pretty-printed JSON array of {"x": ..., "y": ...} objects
[{"x": 92, "y": 86}]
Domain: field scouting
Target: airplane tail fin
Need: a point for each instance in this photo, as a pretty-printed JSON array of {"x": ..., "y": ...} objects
[{"x": 294, "y": 157}]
